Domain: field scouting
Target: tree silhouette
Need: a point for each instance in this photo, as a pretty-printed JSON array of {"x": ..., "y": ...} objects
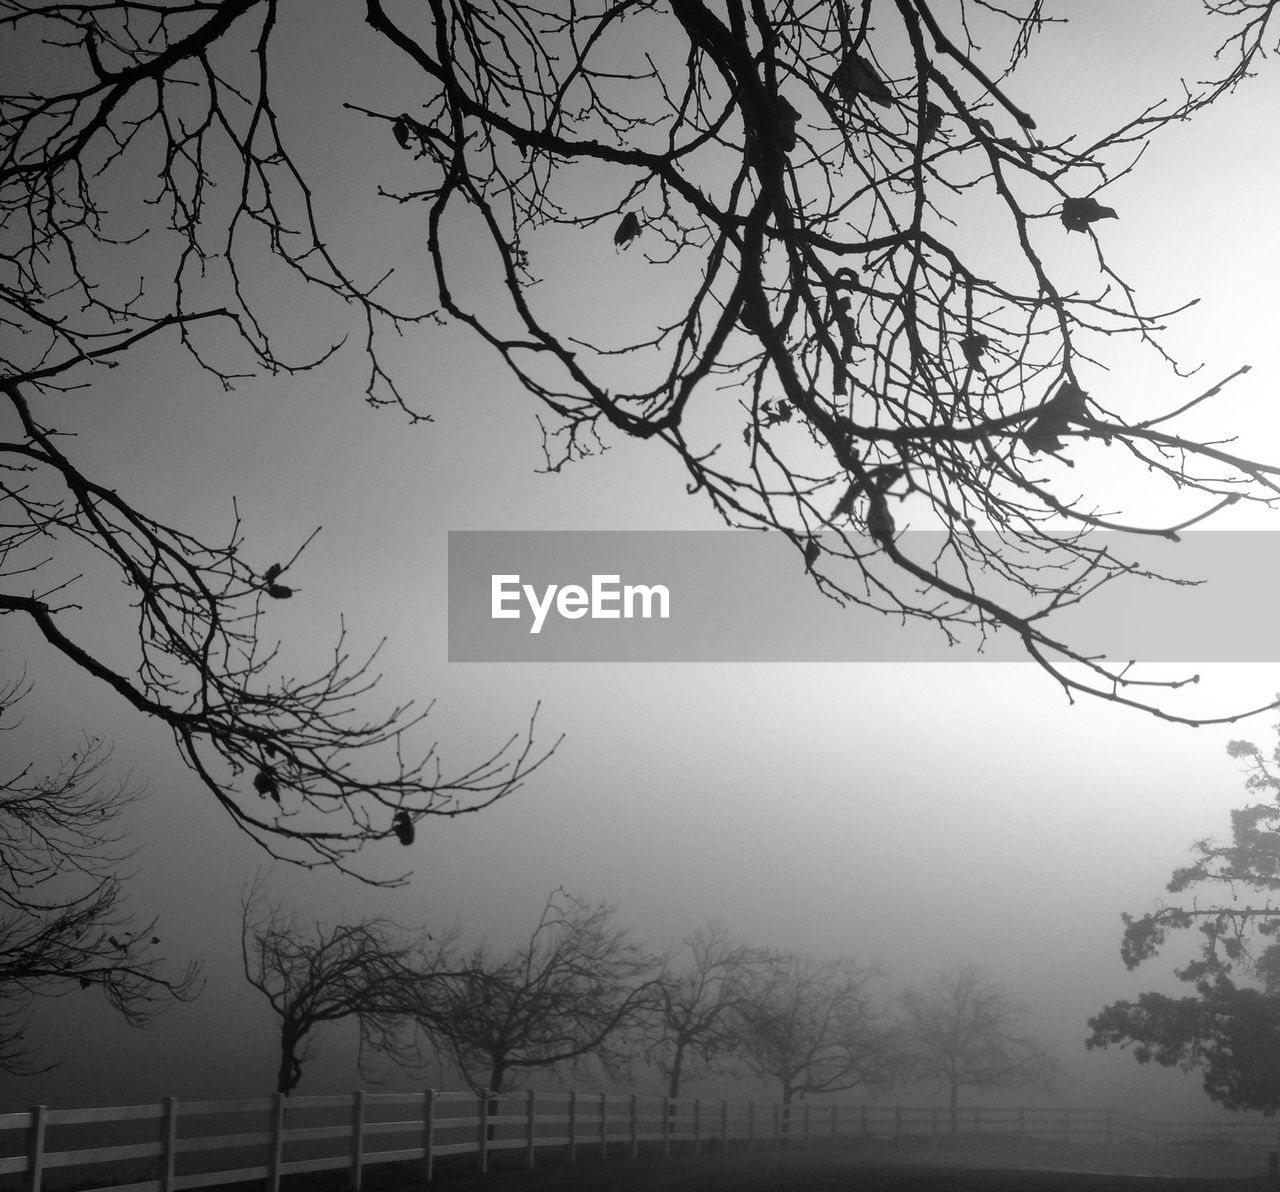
[
  {"x": 1227, "y": 1028},
  {"x": 98, "y": 266},
  {"x": 810, "y": 1026},
  {"x": 1230, "y": 1032},
  {"x": 290, "y": 759},
  {"x": 962, "y": 1031},
  {"x": 693, "y": 1021},
  {"x": 564, "y": 994},
  {"x": 312, "y": 976},
  {"x": 814, "y": 184},
  {"x": 64, "y": 922},
  {"x": 860, "y": 229}
]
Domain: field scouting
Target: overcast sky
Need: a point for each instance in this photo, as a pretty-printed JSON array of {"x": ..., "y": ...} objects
[{"x": 910, "y": 815}]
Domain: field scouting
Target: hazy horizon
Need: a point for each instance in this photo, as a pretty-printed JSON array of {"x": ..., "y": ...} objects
[{"x": 910, "y": 815}]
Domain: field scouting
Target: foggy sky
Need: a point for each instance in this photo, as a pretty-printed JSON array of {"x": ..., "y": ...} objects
[{"x": 911, "y": 816}]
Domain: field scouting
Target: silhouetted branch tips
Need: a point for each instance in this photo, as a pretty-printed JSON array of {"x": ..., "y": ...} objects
[
  {"x": 189, "y": 106},
  {"x": 849, "y": 294}
]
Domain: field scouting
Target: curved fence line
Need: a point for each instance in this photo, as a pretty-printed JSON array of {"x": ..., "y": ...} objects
[{"x": 172, "y": 1145}]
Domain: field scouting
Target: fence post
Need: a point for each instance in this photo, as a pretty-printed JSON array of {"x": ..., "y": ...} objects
[
  {"x": 169, "y": 1140},
  {"x": 635, "y": 1127},
  {"x": 428, "y": 1135},
  {"x": 667, "y": 1106},
  {"x": 357, "y": 1140},
  {"x": 530, "y": 1132},
  {"x": 573, "y": 1125},
  {"x": 483, "y": 1110},
  {"x": 35, "y": 1147},
  {"x": 276, "y": 1157}
]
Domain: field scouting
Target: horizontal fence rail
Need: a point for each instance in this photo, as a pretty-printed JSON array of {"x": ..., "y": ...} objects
[{"x": 172, "y": 1146}]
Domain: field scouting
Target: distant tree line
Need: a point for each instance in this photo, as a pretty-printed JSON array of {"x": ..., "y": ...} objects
[{"x": 580, "y": 988}]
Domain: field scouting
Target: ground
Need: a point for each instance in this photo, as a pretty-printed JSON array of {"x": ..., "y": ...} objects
[{"x": 961, "y": 1165}]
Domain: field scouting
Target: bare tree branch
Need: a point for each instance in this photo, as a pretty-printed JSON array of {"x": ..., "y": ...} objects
[{"x": 64, "y": 922}]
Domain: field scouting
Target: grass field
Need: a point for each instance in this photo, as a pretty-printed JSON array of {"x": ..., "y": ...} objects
[
  {"x": 946, "y": 1165},
  {"x": 924, "y": 1163}
]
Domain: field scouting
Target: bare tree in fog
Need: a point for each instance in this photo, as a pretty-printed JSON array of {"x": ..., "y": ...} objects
[
  {"x": 568, "y": 992},
  {"x": 890, "y": 300},
  {"x": 108, "y": 219},
  {"x": 1230, "y": 1026},
  {"x": 698, "y": 995},
  {"x": 293, "y": 760},
  {"x": 316, "y": 974},
  {"x": 811, "y": 1026},
  {"x": 65, "y": 925},
  {"x": 963, "y": 1031}
]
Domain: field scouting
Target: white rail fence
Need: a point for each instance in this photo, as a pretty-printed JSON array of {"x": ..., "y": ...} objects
[{"x": 175, "y": 1145}]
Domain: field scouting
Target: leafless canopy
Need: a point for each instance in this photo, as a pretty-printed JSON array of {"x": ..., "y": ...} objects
[
  {"x": 117, "y": 123},
  {"x": 810, "y": 1026},
  {"x": 694, "y": 1022},
  {"x": 962, "y": 1030},
  {"x": 568, "y": 992},
  {"x": 866, "y": 247},
  {"x": 867, "y": 252},
  {"x": 65, "y": 926},
  {"x": 316, "y": 974}
]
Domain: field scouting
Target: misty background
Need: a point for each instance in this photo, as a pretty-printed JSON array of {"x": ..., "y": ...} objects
[{"x": 911, "y": 816}]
